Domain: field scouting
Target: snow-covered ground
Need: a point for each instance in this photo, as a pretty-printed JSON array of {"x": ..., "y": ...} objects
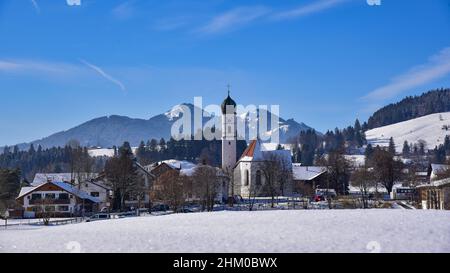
[
  {"x": 428, "y": 128},
  {"x": 231, "y": 231}
]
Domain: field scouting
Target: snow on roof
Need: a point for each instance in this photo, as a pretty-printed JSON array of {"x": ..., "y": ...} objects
[
  {"x": 306, "y": 172},
  {"x": 356, "y": 160},
  {"x": 63, "y": 185},
  {"x": 25, "y": 190},
  {"x": 41, "y": 178},
  {"x": 258, "y": 151},
  {"x": 272, "y": 146},
  {"x": 437, "y": 168},
  {"x": 437, "y": 183},
  {"x": 101, "y": 152},
  {"x": 179, "y": 164},
  {"x": 76, "y": 191},
  {"x": 441, "y": 182}
]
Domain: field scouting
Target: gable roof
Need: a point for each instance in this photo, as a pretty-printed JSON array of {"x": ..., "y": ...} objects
[
  {"x": 250, "y": 150},
  {"x": 62, "y": 185},
  {"x": 257, "y": 151},
  {"x": 439, "y": 168},
  {"x": 307, "y": 173},
  {"x": 41, "y": 178}
]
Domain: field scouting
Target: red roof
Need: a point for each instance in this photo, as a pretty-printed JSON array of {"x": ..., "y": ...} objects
[{"x": 250, "y": 149}]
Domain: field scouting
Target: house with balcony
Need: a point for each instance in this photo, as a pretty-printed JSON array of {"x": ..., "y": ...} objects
[{"x": 56, "y": 199}]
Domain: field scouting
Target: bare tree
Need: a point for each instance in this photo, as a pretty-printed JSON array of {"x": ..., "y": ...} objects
[
  {"x": 276, "y": 175},
  {"x": 363, "y": 179},
  {"x": 205, "y": 185},
  {"x": 169, "y": 188}
]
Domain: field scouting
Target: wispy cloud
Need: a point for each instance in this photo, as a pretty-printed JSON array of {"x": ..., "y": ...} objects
[
  {"x": 234, "y": 18},
  {"x": 124, "y": 10},
  {"x": 57, "y": 70},
  {"x": 314, "y": 7},
  {"x": 105, "y": 75},
  {"x": 37, "y": 67},
  {"x": 36, "y": 6},
  {"x": 436, "y": 67},
  {"x": 168, "y": 24}
]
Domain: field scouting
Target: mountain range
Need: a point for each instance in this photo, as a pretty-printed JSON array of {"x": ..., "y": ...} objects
[{"x": 113, "y": 130}]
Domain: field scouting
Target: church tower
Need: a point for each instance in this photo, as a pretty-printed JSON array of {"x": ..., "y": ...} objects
[{"x": 229, "y": 133}]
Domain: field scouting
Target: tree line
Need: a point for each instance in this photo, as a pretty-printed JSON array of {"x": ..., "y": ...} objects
[{"x": 434, "y": 101}]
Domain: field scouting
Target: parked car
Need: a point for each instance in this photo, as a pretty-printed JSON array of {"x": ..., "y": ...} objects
[
  {"x": 98, "y": 217},
  {"x": 160, "y": 207},
  {"x": 318, "y": 198},
  {"x": 185, "y": 210}
]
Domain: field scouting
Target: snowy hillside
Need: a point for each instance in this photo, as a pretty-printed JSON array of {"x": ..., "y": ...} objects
[
  {"x": 430, "y": 129},
  {"x": 382, "y": 230}
]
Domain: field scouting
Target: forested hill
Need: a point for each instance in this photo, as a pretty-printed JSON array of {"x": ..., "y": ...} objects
[{"x": 434, "y": 101}]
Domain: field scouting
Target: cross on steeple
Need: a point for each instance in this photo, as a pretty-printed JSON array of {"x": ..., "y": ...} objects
[{"x": 228, "y": 86}]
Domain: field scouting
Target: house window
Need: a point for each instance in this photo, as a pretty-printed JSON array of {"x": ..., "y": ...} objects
[
  {"x": 36, "y": 196},
  {"x": 246, "y": 178},
  {"x": 50, "y": 208},
  {"x": 258, "y": 178},
  {"x": 63, "y": 196},
  {"x": 63, "y": 208},
  {"x": 50, "y": 196},
  {"x": 36, "y": 209},
  {"x": 95, "y": 194}
]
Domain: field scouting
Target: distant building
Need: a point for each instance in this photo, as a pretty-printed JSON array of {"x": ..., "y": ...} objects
[
  {"x": 435, "y": 170},
  {"x": 306, "y": 179},
  {"x": 91, "y": 183},
  {"x": 435, "y": 195},
  {"x": 71, "y": 178},
  {"x": 57, "y": 199},
  {"x": 188, "y": 169}
]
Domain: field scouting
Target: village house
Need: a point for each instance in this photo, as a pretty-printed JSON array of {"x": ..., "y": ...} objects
[
  {"x": 186, "y": 168},
  {"x": 57, "y": 199},
  {"x": 436, "y": 170},
  {"x": 435, "y": 195},
  {"x": 306, "y": 179},
  {"x": 91, "y": 183}
]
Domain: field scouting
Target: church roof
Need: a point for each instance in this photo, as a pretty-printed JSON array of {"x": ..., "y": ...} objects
[
  {"x": 227, "y": 102},
  {"x": 250, "y": 150},
  {"x": 256, "y": 152}
]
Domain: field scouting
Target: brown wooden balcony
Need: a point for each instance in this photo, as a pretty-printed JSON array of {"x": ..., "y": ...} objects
[{"x": 49, "y": 201}]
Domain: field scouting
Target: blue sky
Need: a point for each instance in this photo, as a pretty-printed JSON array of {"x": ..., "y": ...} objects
[{"x": 325, "y": 62}]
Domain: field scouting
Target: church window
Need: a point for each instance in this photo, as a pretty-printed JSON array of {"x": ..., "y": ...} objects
[
  {"x": 246, "y": 178},
  {"x": 258, "y": 178},
  {"x": 229, "y": 129}
]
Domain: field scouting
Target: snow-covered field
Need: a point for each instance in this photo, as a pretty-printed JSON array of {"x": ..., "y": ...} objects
[
  {"x": 427, "y": 128},
  {"x": 228, "y": 231}
]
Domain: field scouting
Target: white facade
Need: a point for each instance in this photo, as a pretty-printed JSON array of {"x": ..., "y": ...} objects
[
  {"x": 99, "y": 191},
  {"x": 228, "y": 141},
  {"x": 31, "y": 202}
]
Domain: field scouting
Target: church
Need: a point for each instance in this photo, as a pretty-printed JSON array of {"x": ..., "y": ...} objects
[{"x": 258, "y": 166}]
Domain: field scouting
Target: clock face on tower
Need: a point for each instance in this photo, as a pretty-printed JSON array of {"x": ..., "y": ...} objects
[{"x": 229, "y": 120}]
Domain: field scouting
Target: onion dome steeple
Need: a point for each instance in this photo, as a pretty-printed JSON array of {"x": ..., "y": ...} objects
[{"x": 228, "y": 102}]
